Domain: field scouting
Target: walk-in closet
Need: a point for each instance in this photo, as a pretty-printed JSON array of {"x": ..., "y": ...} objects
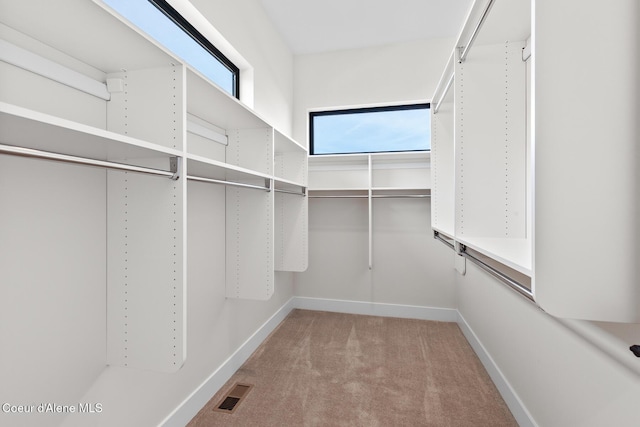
[{"x": 178, "y": 248}]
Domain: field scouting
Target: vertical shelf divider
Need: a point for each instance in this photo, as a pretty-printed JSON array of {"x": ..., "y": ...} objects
[
  {"x": 249, "y": 242},
  {"x": 291, "y": 204},
  {"x": 148, "y": 104},
  {"x": 146, "y": 227},
  {"x": 370, "y": 204},
  {"x": 250, "y": 218},
  {"x": 291, "y": 250}
]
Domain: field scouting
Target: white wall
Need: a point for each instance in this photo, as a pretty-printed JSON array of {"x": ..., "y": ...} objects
[
  {"x": 406, "y": 260},
  {"x": 53, "y": 280},
  {"x": 407, "y": 263},
  {"x": 395, "y": 73},
  {"x": 246, "y": 26},
  {"x": 563, "y": 378}
]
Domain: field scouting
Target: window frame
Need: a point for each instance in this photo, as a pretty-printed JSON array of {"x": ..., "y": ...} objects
[
  {"x": 192, "y": 32},
  {"x": 401, "y": 107}
]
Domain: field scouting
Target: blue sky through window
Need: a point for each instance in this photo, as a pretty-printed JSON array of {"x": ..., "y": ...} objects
[
  {"x": 152, "y": 21},
  {"x": 372, "y": 131}
]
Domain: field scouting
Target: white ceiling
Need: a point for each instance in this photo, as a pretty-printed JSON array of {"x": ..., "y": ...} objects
[{"x": 312, "y": 26}]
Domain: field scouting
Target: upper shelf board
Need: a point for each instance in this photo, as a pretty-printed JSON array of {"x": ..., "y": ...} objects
[
  {"x": 29, "y": 129},
  {"x": 206, "y": 168},
  {"x": 208, "y": 102},
  {"x": 284, "y": 144}
]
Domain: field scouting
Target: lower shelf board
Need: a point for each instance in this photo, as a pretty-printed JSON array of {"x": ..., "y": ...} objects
[{"x": 514, "y": 253}]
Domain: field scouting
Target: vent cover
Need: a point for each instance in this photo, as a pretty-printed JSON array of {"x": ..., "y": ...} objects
[{"x": 232, "y": 399}]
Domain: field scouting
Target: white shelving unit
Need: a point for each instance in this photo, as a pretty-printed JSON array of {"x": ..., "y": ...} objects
[
  {"x": 443, "y": 154},
  {"x": 481, "y": 151},
  {"x": 491, "y": 212},
  {"x": 400, "y": 171},
  {"x": 513, "y": 154},
  {"x": 145, "y": 218},
  {"x": 139, "y": 251},
  {"x": 36, "y": 130},
  {"x": 259, "y": 157},
  {"x": 291, "y": 205},
  {"x": 339, "y": 172},
  {"x": 144, "y": 111},
  {"x": 491, "y": 151},
  {"x": 370, "y": 176},
  {"x": 290, "y": 162}
]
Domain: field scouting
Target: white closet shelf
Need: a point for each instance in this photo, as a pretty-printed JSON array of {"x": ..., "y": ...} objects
[
  {"x": 30, "y": 129},
  {"x": 207, "y": 168},
  {"x": 286, "y": 184},
  {"x": 402, "y": 156},
  {"x": 375, "y": 171},
  {"x": 284, "y": 144},
  {"x": 444, "y": 232},
  {"x": 512, "y": 252},
  {"x": 210, "y": 103},
  {"x": 290, "y": 160},
  {"x": 297, "y": 181},
  {"x": 338, "y": 159},
  {"x": 364, "y": 157}
]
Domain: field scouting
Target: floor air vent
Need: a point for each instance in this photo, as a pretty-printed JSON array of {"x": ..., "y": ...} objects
[{"x": 232, "y": 399}]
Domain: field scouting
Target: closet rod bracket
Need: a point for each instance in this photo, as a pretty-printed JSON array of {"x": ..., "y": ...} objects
[
  {"x": 175, "y": 166},
  {"x": 463, "y": 51},
  {"x": 437, "y": 236}
]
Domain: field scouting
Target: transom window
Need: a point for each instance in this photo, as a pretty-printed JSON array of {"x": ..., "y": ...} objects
[
  {"x": 164, "y": 24},
  {"x": 370, "y": 130}
]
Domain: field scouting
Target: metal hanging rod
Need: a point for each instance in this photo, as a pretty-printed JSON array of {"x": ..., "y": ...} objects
[
  {"x": 515, "y": 285},
  {"x": 266, "y": 187},
  {"x": 518, "y": 287},
  {"x": 174, "y": 173},
  {"x": 465, "y": 49},
  {"x": 444, "y": 93},
  {"x": 297, "y": 193},
  {"x": 401, "y": 196},
  {"x": 436, "y": 235},
  {"x": 338, "y": 197},
  {"x": 376, "y": 196},
  {"x": 526, "y": 52}
]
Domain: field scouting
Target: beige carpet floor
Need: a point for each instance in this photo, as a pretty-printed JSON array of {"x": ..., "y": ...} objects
[{"x": 332, "y": 369}]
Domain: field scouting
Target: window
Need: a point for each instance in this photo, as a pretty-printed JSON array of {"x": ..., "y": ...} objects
[
  {"x": 371, "y": 130},
  {"x": 163, "y": 23}
]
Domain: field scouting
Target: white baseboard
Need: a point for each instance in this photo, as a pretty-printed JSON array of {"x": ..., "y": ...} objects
[
  {"x": 378, "y": 309},
  {"x": 191, "y": 405},
  {"x": 519, "y": 411}
]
